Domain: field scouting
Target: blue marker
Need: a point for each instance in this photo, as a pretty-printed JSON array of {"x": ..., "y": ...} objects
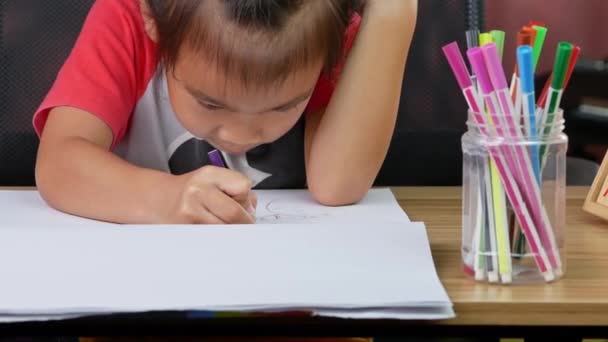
[{"x": 525, "y": 62}]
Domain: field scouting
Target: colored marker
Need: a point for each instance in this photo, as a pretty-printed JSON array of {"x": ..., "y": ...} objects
[
  {"x": 472, "y": 37},
  {"x": 485, "y": 38},
  {"x": 512, "y": 190},
  {"x": 536, "y": 23},
  {"x": 498, "y": 37},
  {"x": 459, "y": 68},
  {"x": 523, "y": 170},
  {"x": 560, "y": 70},
  {"x": 542, "y": 99},
  {"x": 500, "y": 212},
  {"x": 524, "y": 37},
  {"x": 541, "y": 34},
  {"x": 216, "y": 158},
  {"x": 525, "y": 61},
  {"x": 495, "y": 198}
]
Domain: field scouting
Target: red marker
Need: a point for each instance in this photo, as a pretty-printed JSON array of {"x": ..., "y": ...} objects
[{"x": 536, "y": 23}]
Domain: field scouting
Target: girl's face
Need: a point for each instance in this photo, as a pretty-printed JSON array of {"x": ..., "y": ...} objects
[{"x": 228, "y": 115}]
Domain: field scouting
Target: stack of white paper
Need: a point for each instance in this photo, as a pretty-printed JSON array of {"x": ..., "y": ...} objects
[{"x": 362, "y": 261}]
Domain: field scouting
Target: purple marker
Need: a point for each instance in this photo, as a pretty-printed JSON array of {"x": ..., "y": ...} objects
[{"x": 216, "y": 159}]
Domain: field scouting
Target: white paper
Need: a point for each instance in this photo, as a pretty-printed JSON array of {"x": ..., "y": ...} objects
[
  {"x": 297, "y": 206},
  {"x": 274, "y": 207},
  {"x": 104, "y": 269},
  {"x": 36, "y": 318},
  {"x": 432, "y": 313},
  {"x": 361, "y": 261},
  {"x": 28, "y": 208}
]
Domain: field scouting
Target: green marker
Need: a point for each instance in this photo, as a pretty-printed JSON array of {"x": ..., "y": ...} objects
[
  {"x": 541, "y": 34},
  {"x": 499, "y": 39},
  {"x": 560, "y": 69}
]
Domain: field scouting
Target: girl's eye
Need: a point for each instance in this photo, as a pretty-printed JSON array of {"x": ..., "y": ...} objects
[{"x": 210, "y": 106}]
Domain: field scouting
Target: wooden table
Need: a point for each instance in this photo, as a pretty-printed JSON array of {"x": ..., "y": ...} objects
[
  {"x": 579, "y": 299},
  {"x": 575, "y": 306}
]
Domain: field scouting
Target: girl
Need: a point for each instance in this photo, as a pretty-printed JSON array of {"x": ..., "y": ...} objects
[{"x": 293, "y": 93}]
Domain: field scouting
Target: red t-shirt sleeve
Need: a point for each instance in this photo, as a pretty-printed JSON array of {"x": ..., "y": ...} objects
[
  {"x": 326, "y": 85},
  {"x": 108, "y": 68}
]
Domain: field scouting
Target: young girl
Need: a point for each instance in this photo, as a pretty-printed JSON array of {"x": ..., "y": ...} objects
[{"x": 293, "y": 93}]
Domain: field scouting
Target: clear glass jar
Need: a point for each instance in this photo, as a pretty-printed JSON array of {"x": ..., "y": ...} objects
[{"x": 513, "y": 207}]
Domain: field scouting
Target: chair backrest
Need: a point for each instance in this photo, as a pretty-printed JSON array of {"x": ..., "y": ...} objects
[
  {"x": 36, "y": 37},
  {"x": 425, "y": 149}
]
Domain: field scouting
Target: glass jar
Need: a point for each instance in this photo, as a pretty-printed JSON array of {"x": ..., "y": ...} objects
[{"x": 513, "y": 209}]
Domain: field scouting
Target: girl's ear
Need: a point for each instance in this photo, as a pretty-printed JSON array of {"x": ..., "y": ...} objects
[{"x": 149, "y": 23}]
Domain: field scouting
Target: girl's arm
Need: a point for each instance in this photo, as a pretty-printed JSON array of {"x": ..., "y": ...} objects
[
  {"x": 77, "y": 174},
  {"x": 346, "y": 145}
]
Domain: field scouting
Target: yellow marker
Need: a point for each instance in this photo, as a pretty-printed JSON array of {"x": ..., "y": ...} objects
[
  {"x": 485, "y": 38},
  {"x": 500, "y": 234}
]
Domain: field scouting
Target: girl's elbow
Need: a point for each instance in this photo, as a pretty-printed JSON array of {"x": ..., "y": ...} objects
[
  {"x": 44, "y": 180},
  {"x": 48, "y": 182},
  {"x": 334, "y": 194}
]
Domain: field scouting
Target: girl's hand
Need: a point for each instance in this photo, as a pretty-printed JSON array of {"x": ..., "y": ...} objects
[{"x": 211, "y": 195}]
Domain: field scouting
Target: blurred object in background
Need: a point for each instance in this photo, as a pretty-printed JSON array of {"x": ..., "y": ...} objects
[{"x": 583, "y": 23}]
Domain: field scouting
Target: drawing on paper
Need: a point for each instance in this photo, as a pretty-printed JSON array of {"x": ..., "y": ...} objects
[{"x": 277, "y": 211}]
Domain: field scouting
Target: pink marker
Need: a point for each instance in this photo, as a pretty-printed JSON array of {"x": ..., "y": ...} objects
[
  {"x": 526, "y": 172},
  {"x": 454, "y": 57},
  {"x": 459, "y": 68},
  {"x": 477, "y": 62},
  {"x": 504, "y": 155}
]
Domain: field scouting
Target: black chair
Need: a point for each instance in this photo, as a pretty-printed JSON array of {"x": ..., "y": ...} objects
[
  {"x": 37, "y": 35},
  {"x": 426, "y": 144}
]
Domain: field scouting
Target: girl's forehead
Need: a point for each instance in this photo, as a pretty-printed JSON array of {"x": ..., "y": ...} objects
[
  {"x": 208, "y": 84},
  {"x": 197, "y": 72}
]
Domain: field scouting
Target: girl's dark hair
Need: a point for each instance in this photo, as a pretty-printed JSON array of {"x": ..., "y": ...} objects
[{"x": 256, "y": 41}]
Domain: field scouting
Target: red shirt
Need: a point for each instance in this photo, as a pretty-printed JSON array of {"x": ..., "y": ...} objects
[{"x": 113, "y": 73}]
